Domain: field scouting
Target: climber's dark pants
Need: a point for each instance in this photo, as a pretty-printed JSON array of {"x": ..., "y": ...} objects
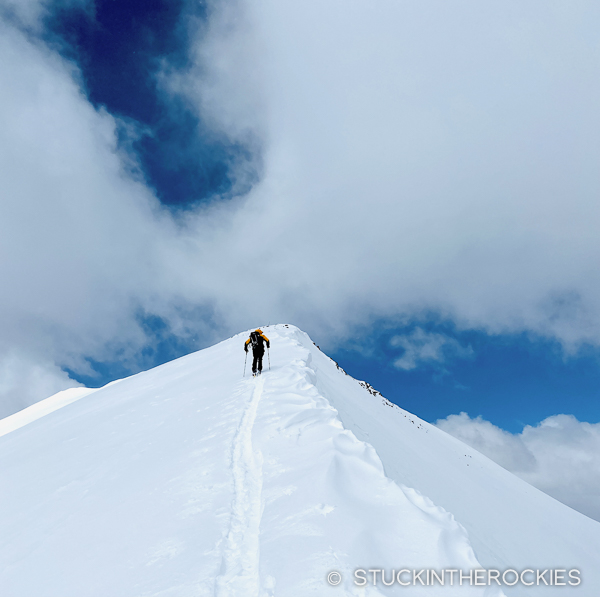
[{"x": 257, "y": 361}]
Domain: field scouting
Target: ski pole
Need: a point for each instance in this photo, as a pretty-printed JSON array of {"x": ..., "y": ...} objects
[
  {"x": 245, "y": 363},
  {"x": 269, "y": 355}
]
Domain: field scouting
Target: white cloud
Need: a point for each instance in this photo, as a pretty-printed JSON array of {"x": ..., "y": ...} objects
[
  {"x": 81, "y": 242},
  {"x": 421, "y": 347},
  {"x": 24, "y": 381},
  {"x": 31, "y": 13},
  {"x": 416, "y": 157},
  {"x": 560, "y": 456}
]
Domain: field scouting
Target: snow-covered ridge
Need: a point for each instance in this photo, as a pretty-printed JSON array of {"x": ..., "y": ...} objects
[
  {"x": 42, "y": 408},
  {"x": 191, "y": 480},
  {"x": 45, "y": 407}
]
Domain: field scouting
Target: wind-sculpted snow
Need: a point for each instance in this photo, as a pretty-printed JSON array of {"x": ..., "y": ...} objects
[
  {"x": 192, "y": 480},
  {"x": 327, "y": 502}
]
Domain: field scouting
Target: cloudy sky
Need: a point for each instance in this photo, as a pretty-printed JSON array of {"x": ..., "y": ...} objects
[{"x": 415, "y": 184}]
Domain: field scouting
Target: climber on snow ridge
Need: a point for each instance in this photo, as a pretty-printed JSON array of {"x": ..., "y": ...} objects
[{"x": 257, "y": 339}]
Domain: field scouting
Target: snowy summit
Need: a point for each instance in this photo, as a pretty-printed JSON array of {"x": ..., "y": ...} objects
[{"x": 192, "y": 480}]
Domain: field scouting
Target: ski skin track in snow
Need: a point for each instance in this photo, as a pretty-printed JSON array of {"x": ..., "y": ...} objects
[
  {"x": 188, "y": 480},
  {"x": 240, "y": 573}
]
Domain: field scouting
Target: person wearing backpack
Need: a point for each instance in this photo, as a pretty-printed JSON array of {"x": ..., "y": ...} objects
[{"x": 258, "y": 341}]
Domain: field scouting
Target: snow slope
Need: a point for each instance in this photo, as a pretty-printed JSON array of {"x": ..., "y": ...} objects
[
  {"x": 191, "y": 480},
  {"x": 42, "y": 408}
]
